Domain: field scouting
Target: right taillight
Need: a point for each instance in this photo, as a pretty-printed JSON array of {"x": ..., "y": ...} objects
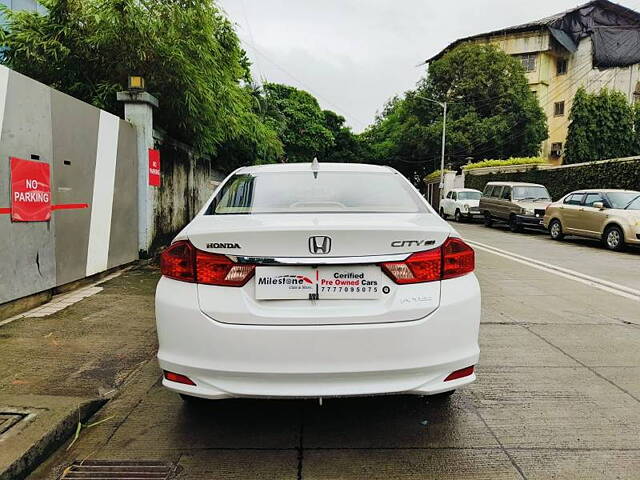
[
  {"x": 458, "y": 258},
  {"x": 182, "y": 261},
  {"x": 453, "y": 259}
]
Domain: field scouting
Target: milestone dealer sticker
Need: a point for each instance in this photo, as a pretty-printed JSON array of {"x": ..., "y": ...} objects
[{"x": 304, "y": 283}]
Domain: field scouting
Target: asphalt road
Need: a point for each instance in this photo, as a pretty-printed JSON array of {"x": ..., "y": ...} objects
[{"x": 557, "y": 396}]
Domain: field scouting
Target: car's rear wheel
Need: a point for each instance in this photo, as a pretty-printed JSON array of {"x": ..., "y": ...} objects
[
  {"x": 488, "y": 221},
  {"x": 514, "y": 226},
  {"x": 442, "y": 397},
  {"x": 555, "y": 229},
  {"x": 458, "y": 216},
  {"x": 614, "y": 238},
  {"x": 191, "y": 401},
  {"x": 442, "y": 214}
]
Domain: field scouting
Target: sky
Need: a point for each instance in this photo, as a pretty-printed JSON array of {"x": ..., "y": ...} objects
[{"x": 354, "y": 55}]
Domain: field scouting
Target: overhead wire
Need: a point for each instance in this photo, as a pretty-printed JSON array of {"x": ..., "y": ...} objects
[{"x": 307, "y": 87}]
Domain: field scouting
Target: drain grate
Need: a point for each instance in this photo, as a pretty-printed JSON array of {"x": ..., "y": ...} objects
[
  {"x": 118, "y": 470},
  {"x": 9, "y": 420}
]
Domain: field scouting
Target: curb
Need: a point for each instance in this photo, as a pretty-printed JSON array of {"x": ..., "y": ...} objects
[{"x": 44, "y": 446}]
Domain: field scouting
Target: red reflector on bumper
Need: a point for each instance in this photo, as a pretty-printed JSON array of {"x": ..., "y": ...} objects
[
  {"x": 176, "y": 377},
  {"x": 464, "y": 372}
]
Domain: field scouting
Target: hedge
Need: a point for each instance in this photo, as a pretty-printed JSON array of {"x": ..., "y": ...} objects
[
  {"x": 435, "y": 175},
  {"x": 502, "y": 163},
  {"x": 560, "y": 181}
]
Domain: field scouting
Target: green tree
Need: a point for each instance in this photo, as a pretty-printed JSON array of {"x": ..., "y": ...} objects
[
  {"x": 347, "y": 146},
  {"x": 602, "y": 127},
  {"x": 299, "y": 121},
  {"x": 492, "y": 114},
  {"x": 187, "y": 51}
]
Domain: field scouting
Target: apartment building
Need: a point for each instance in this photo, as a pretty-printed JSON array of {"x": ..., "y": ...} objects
[{"x": 595, "y": 45}]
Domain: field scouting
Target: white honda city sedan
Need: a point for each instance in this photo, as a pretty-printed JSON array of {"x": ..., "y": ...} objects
[{"x": 307, "y": 280}]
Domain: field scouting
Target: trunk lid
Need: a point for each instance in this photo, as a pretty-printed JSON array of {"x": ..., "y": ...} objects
[{"x": 287, "y": 236}]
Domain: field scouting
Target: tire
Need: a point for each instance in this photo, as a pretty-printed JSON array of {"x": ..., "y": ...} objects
[
  {"x": 514, "y": 226},
  {"x": 458, "y": 216},
  {"x": 192, "y": 401},
  {"x": 613, "y": 238},
  {"x": 488, "y": 221},
  {"x": 442, "y": 214},
  {"x": 555, "y": 229},
  {"x": 442, "y": 397}
]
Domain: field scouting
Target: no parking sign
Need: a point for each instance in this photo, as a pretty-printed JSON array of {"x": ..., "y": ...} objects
[{"x": 30, "y": 191}]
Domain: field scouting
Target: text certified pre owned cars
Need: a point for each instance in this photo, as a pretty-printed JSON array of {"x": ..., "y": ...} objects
[{"x": 312, "y": 280}]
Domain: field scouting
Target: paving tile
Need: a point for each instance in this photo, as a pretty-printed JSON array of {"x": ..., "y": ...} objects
[
  {"x": 556, "y": 408},
  {"x": 596, "y": 345},
  {"x": 164, "y": 422},
  {"x": 625, "y": 377},
  {"x": 583, "y": 465},
  {"x": 514, "y": 345},
  {"x": 427, "y": 464},
  {"x": 395, "y": 421},
  {"x": 240, "y": 465}
]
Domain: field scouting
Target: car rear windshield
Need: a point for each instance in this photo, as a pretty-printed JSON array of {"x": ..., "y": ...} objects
[
  {"x": 530, "y": 193},
  {"x": 621, "y": 199},
  {"x": 469, "y": 195},
  {"x": 326, "y": 192}
]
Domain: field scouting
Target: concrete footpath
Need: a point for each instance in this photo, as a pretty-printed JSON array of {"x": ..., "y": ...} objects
[{"x": 62, "y": 362}]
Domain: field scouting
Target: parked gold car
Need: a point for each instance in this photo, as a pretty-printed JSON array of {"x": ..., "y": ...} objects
[{"x": 610, "y": 215}]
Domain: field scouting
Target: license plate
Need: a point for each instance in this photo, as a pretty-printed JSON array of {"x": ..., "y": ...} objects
[{"x": 304, "y": 283}]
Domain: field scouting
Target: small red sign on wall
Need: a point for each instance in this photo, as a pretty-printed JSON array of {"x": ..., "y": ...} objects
[
  {"x": 30, "y": 191},
  {"x": 154, "y": 167}
]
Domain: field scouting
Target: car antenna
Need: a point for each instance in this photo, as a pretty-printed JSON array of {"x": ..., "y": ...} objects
[{"x": 315, "y": 165}]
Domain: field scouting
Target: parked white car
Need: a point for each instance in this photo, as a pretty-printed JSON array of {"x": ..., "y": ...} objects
[
  {"x": 461, "y": 204},
  {"x": 307, "y": 280}
]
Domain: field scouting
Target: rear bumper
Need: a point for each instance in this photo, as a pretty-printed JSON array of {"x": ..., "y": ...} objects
[{"x": 226, "y": 360}]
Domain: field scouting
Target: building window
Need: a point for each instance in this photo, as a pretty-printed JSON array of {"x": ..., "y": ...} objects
[
  {"x": 556, "y": 149},
  {"x": 529, "y": 61},
  {"x": 558, "y": 109},
  {"x": 561, "y": 66},
  {"x": 636, "y": 93}
]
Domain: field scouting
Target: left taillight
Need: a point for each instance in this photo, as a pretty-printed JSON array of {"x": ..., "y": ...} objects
[
  {"x": 453, "y": 259},
  {"x": 182, "y": 261},
  {"x": 178, "y": 261}
]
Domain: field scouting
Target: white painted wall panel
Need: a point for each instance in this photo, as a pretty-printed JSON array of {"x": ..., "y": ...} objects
[{"x": 103, "y": 188}]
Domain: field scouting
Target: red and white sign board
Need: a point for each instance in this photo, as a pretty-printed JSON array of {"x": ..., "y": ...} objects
[
  {"x": 30, "y": 191},
  {"x": 154, "y": 167}
]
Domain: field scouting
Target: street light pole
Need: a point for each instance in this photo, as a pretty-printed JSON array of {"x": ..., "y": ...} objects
[
  {"x": 444, "y": 140},
  {"x": 444, "y": 135}
]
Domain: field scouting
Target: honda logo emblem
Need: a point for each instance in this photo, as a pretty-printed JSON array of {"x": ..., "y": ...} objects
[{"x": 320, "y": 245}]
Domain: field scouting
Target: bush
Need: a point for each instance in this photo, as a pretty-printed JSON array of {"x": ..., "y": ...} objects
[
  {"x": 434, "y": 175},
  {"x": 504, "y": 163},
  {"x": 560, "y": 181},
  {"x": 601, "y": 127}
]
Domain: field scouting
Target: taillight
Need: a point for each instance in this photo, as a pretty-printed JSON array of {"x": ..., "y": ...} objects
[
  {"x": 178, "y": 262},
  {"x": 418, "y": 268},
  {"x": 453, "y": 259},
  {"x": 458, "y": 258},
  {"x": 182, "y": 261},
  {"x": 215, "y": 269}
]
